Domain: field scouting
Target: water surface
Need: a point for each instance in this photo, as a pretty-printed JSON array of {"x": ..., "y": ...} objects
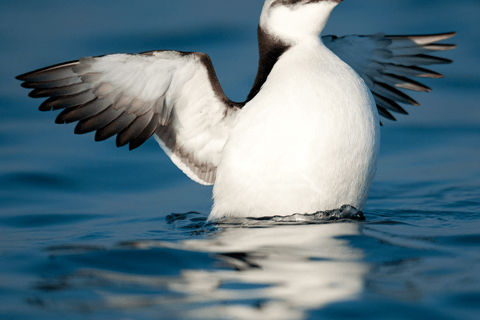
[{"x": 89, "y": 231}]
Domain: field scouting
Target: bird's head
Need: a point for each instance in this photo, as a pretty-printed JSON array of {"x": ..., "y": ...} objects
[{"x": 296, "y": 19}]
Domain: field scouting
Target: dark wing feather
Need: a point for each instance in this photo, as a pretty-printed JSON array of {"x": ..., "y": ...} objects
[
  {"x": 114, "y": 127},
  {"x": 137, "y": 96},
  {"x": 386, "y": 63}
]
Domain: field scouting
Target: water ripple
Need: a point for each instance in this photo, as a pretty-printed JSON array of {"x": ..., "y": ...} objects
[{"x": 44, "y": 220}]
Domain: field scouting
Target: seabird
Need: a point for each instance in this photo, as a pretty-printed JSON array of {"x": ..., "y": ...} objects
[{"x": 305, "y": 140}]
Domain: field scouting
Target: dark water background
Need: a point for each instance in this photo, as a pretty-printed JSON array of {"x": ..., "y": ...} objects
[{"x": 89, "y": 231}]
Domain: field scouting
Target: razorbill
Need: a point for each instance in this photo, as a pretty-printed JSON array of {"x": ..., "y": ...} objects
[{"x": 305, "y": 140}]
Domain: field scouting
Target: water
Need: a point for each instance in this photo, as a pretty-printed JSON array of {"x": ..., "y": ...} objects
[{"x": 89, "y": 231}]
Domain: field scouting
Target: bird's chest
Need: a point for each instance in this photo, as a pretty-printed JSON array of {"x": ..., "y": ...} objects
[
  {"x": 298, "y": 121},
  {"x": 311, "y": 139}
]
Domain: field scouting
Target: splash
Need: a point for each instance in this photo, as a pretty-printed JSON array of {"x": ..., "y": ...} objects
[
  {"x": 346, "y": 212},
  {"x": 197, "y": 223}
]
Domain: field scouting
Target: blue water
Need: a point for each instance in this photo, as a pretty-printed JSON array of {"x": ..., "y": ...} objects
[{"x": 89, "y": 231}]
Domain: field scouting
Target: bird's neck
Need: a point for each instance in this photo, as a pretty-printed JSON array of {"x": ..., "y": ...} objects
[{"x": 270, "y": 50}]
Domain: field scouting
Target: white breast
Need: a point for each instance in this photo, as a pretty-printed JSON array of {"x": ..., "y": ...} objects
[{"x": 307, "y": 142}]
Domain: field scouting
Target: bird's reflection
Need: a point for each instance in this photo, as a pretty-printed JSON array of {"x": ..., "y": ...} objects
[
  {"x": 300, "y": 267},
  {"x": 241, "y": 272}
]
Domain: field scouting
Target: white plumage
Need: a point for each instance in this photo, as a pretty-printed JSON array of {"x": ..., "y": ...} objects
[{"x": 305, "y": 140}]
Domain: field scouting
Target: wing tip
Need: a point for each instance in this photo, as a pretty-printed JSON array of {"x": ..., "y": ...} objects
[
  {"x": 119, "y": 143},
  {"x": 132, "y": 146},
  {"x": 446, "y": 47},
  {"x": 385, "y": 113},
  {"x": 432, "y": 38},
  {"x": 432, "y": 75},
  {"x": 28, "y": 75},
  {"x": 449, "y": 35},
  {"x": 32, "y": 94}
]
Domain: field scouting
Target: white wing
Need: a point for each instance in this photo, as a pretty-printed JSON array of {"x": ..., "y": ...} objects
[
  {"x": 174, "y": 95},
  {"x": 388, "y": 62}
]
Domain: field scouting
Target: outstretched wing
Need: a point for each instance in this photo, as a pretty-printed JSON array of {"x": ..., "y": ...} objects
[
  {"x": 386, "y": 64},
  {"x": 173, "y": 95}
]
